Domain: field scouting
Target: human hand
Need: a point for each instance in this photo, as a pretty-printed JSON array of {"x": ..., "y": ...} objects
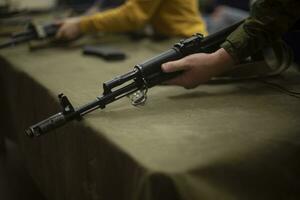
[
  {"x": 198, "y": 68},
  {"x": 69, "y": 29}
]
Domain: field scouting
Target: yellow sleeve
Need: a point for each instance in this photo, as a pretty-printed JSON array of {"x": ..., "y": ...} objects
[{"x": 129, "y": 16}]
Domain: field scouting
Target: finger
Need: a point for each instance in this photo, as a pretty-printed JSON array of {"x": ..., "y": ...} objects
[
  {"x": 185, "y": 80},
  {"x": 69, "y": 35},
  {"x": 179, "y": 80},
  {"x": 58, "y": 23},
  {"x": 60, "y": 33},
  {"x": 174, "y": 66}
]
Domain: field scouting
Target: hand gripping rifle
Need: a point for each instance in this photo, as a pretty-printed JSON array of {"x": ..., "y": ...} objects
[
  {"x": 32, "y": 32},
  {"x": 136, "y": 82}
]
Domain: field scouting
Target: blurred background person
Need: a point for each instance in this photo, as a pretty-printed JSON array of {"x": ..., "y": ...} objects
[
  {"x": 219, "y": 14},
  {"x": 168, "y": 18}
]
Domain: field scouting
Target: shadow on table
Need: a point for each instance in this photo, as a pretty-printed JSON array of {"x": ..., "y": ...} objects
[{"x": 269, "y": 172}]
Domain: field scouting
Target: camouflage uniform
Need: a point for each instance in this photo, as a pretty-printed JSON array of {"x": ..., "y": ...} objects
[{"x": 268, "y": 20}]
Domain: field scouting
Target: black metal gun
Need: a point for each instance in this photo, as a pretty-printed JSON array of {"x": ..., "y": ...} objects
[
  {"x": 136, "y": 82},
  {"x": 33, "y": 32}
]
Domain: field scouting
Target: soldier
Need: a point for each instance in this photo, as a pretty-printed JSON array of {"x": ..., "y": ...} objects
[
  {"x": 268, "y": 20},
  {"x": 169, "y": 18}
]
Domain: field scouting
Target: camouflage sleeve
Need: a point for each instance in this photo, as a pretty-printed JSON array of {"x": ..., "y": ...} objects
[{"x": 268, "y": 20}]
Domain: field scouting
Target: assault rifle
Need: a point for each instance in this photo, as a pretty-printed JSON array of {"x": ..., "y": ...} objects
[
  {"x": 33, "y": 32},
  {"x": 135, "y": 83}
]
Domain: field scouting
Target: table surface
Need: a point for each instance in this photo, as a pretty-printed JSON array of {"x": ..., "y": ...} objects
[{"x": 226, "y": 141}]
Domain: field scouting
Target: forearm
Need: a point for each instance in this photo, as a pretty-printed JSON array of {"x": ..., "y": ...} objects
[{"x": 268, "y": 21}]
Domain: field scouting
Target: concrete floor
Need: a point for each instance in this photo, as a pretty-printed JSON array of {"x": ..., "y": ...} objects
[{"x": 15, "y": 183}]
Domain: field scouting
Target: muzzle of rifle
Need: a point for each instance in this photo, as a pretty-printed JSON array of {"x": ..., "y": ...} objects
[{"x": 46, "y": 125}]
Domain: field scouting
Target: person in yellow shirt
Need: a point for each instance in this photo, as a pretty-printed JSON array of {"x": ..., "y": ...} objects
[{"x": 167, "y": 17}]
